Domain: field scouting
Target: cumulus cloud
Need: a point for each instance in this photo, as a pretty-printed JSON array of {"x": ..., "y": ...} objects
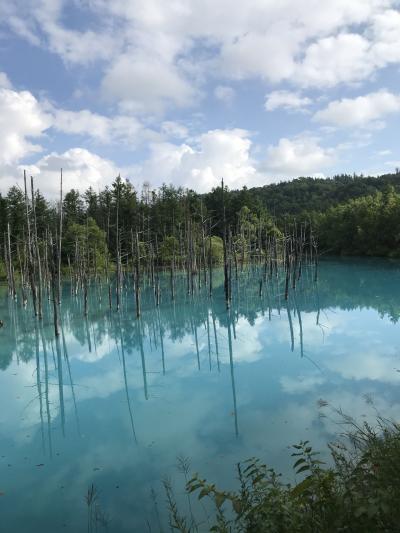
[
  {"x": 200, "y": 165},
  {"x": 126, "y": 129},
  {"x": 24, "y": 117},
  {"x": 385, "y": 34},
  {"x": 214, "y": 155},
  {"x": 144, "y": 83},
  {"x": 301, "y": 156},
  {"x": 166, "y": 56},
  {"x": 81, "y": 169},
  {"x": 25, "y": 120},
  {"x": 360, "y": 111},
  {"x": 286, "y": 100},
  {"x": 343, "y": 58},
  {"x": 21, "y": 119},
  {"x": 162, "y": 51}
]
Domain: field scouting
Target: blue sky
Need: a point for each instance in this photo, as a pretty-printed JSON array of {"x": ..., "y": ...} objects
[{"x": 189, "y": 91}]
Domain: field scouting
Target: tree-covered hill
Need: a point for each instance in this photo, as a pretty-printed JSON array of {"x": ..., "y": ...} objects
[
  {"x": 311, "y": 194},
  {"x": 350, "y": 215}
]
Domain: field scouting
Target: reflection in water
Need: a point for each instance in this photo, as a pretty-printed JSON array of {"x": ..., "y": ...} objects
[
  {"x": 232, "y": 371},
  {"x": 125, "y": 379},
  {"x": 46, "y": 381},
  {"x": 60, "y": 384},
  {"x": 39, "y": 386},
  {"x": 116, "y": 399},
  {"x": 70, "y": 381}
]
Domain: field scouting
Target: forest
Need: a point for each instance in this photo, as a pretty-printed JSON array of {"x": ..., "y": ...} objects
[{"x": 349, "y": 215}]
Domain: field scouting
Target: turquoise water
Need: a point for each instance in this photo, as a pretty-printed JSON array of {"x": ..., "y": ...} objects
[{"x": 117, "y": 400}]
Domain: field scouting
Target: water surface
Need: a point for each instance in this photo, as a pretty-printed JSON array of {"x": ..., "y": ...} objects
[{"x": 117, "y": 400}]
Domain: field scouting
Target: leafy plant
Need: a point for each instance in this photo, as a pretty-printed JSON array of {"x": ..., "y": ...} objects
[{"x": 358, "y": 493}]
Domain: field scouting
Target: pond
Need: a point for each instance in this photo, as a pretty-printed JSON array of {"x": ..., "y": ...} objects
[{"x": 125, "y": 403}]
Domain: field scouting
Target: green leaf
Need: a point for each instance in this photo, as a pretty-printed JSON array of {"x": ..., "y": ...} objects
[
  {"x": 303, "y": 469},
  {"x": 193, "y": 487},
  {"x": 298, "y": 462},
  {"x": 302, "y": 486}
]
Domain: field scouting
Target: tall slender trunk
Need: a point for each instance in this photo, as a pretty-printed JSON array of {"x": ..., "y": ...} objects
[
  {"x": 31, "y": 269},
  {"x": 37, "y": 254},
  {"x": 60, "y": 239},
  {"x": 137, "y": 280}
]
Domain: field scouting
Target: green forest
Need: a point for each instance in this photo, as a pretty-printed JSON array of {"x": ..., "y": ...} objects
[{"x": 349, "y": 215}]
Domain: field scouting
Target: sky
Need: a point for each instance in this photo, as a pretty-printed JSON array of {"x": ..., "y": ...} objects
[{"x": 191, "y": 91}]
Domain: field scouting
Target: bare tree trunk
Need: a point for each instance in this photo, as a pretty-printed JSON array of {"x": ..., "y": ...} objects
[
  {"x": 226, "y": 269},
  {"x": 118, "y": 289},
  {"x": 137, "y": 293},
  {"x": 60, "y": 240},
  {"x": 13, "y": 292},
  {"x": 54, "y": 279},
  {"x": 37, "y": 254},
  {"x": 31, "y": 271},
  {"x": 210, "y": 265}
]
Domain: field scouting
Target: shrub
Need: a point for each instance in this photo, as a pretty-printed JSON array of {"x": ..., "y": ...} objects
[{"x": 358, "y": 493}]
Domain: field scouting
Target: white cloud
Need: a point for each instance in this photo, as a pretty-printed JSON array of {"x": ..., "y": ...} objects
[
  {"x": 301, "y": 384},
  {"x": 4, "y": 81},
  {"x": 286, "y": 99},
  {"x": 81, "y": 169},
  {"x": 99, "y": 127},
  {"x": 21, "y": 119},
  {"x": 225, "y": 94},
  {"x": 146, "y": 83},
  {"x": 216, "y": 154},
  {"x": 41, "y": 24},
  {"x": 367, "y": 364},
  {"x": 25, "y": 119},
  {"x": 247, "y": 347},
  {"x": 386, "y": 37},
  {"x": 360, "y": 111},
  {"x": 157, "y": 53},
  {"x": 155, "y": 56},
  {"x": 301, "y": 156},
  {"x": 201, "y": 165},
  {"x": 333, "y": 60}
]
